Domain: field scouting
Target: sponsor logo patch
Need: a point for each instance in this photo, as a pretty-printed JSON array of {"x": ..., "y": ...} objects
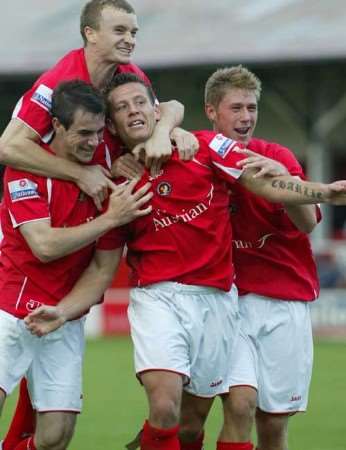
[
  {"x": 164, "y": 188},
  {"x": 22, "y": 189},
  {"x": 43, "y": 97},
  {"x": 222, "y": 145}
]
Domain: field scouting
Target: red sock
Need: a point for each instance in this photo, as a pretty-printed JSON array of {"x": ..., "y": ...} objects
[
  {"x": 234, "y": 446},
  {"x": 23, "y": 420},
  {"x": 197, "y": 445},
  {"x": 27, "y": 444},
  {"x": 159, "y": 439}
]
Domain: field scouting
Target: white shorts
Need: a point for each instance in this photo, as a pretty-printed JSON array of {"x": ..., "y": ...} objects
[
  {"x": 52, "y": 364},
  {"x": 274, "y": 352},
  {"x": 189, "y": 330}
]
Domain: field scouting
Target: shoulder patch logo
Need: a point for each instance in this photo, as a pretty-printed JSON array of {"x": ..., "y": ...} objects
[
  {"x": 222, "y": 145},
  {"x": 22, "y": 189},
  {"x": 43, "y": 97}
]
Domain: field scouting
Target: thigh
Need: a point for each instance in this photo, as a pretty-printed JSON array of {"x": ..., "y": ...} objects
[
  {"x": 55, "y": 377},
  {"x": 160, "y": 341},
  {"x": 54, "y": 428},
  {"x": 213, "y": 336},
  {"x": 17, "y": 348},
  {"x": 285, "y": 358}
]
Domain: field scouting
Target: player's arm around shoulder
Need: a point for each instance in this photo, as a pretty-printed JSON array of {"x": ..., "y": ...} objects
[
  {"x": 49, "y": 243},
  {"x": 87, "y": 291}
]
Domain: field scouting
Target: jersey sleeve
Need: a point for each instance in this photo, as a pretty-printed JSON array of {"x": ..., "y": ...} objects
[
  {"x": 26, "y": 197},
  {"x": 218, "y": 151},
  {"x": 288, "y": 159},
  {"x": 34, "y": 107}
]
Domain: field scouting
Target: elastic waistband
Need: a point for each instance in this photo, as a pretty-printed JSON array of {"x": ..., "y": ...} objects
[{"x": 173, "y": 286}]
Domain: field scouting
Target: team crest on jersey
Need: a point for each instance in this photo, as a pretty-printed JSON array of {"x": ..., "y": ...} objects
[
  {"x": 22, "y": 189},
  {"x": 222, "y": 145},
  {"x": 164, "y": 188},
  {"x": 43, "y": 97}
]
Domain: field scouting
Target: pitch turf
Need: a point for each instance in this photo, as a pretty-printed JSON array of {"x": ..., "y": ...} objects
[{"x": 114, "y": 405}]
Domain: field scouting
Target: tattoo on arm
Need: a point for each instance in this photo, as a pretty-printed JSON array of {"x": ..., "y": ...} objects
[{"x": 295, "y": 186}]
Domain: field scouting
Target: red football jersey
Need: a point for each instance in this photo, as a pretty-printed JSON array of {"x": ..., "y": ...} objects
[
  {"x": 271, "y": 257},
  {"x": 187, "y": 238},
  {"x": 33, "y": 108},
  {"x": 25, "y": 282}
]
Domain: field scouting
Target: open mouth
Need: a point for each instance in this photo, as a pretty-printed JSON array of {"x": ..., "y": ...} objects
[
  {"x": 136, "y": 124},
  {"x": 243, "y": 131}
]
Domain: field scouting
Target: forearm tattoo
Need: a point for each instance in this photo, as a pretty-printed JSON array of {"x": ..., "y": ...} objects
[{"x": 295, "y": 186}]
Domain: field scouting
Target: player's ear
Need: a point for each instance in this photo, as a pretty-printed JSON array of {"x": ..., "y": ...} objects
[
  {"x": 111, "y": 127},
  {"x": 210, "y": 112},
  {"x": 56, "y": 124},
  {"x": 157, "y": 111},
  {"x": 90, "y": 35}
]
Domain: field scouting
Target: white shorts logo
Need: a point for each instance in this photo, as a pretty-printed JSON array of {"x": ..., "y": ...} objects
[
  {"x": 222, "y": 145},
  {"x": 43, "y": 97},
  {"x": 22, "y": 189}
]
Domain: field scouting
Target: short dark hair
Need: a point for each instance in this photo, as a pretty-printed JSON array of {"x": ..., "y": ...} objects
[
  {"x": 90, "y": 15},
  {"x": 71, "y": 95},
  {"x": 126, "y": 78}
]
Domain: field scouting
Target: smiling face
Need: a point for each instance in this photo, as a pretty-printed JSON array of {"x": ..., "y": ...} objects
[
  {"x": 78, "y": 143},
  {"x": 236, "y": 114},
  {"x": 115, "y": 37},
  {"x": 133, "y": 115}
]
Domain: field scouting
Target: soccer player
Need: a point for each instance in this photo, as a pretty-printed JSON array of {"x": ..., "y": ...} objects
[
  {"x": 276, "y": 278},
  {"x": 50, "y": 229},
  {"x": 108, "y": 29},
  {"x": 183, "y": 310}
]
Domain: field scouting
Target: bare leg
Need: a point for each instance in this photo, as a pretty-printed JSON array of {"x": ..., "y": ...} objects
[
  {"x": 194, "y": 412},
  {"x": 239, "y": 408},
  {"x": 272, "y": 431}
]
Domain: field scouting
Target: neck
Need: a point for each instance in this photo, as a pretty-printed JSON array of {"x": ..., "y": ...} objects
[
  {"x": 58, "y": 148},
  {"x": 100, "y": 72}
]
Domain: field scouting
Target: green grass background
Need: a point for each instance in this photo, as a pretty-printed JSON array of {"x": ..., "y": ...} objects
[{"x": 115, "y": 404}]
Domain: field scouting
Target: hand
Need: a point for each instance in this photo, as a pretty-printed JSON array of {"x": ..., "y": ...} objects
[
  {"x": 127, "y": 166},
  {"x": 155, "y": 151},
  {"x": 186, "y": 143},
  {"x": 265, "y": 166},
  {"x": 337, "y": 193},
  {"x": 125, "y": 205},
  {"x": 95, "y": 182},
  {"x": 44, "y": 320}
]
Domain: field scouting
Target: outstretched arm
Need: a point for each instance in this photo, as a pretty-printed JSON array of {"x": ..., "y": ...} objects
[
  {"x": 303, "y": 216},
  {"x": 293, "y": 191},
  {"x": 86, "y": 292}
]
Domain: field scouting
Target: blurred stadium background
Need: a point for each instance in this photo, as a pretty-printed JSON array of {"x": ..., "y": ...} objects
[{"x": 298, "y": 49}]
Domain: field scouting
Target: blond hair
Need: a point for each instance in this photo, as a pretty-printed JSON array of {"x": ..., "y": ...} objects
[{"x": 221, "y": 80}]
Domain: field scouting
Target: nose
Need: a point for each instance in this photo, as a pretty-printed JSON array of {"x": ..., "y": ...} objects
[
  {"x": 94, "y": 140},
  {"x": 133, "y": 108},
  {"x": 245, "y": 115},
  {"x": 130, "y": 39}
]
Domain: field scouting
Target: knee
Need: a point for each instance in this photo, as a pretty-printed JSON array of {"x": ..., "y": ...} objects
[
  {"x": 54, "y": 439},
  {"x": 240, "y": 407},
  {"x": 165, "y": 411},
  {"x": 273, "y": 424}
]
